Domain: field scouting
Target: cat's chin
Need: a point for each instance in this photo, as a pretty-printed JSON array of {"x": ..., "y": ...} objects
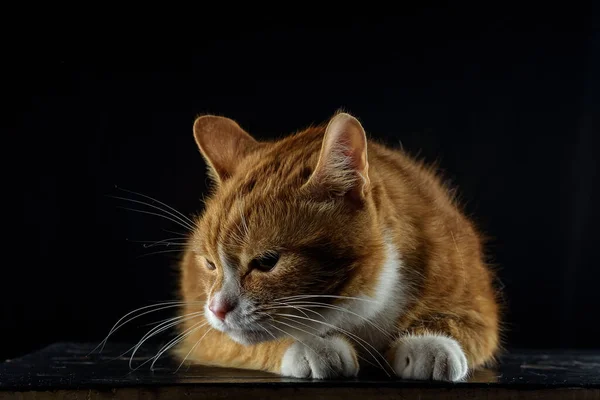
[{"x": 248, "y": 337}]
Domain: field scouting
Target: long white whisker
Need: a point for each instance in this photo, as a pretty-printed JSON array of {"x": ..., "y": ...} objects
[
  {"x": 165, "y": 242},
  {"x": 162, "y": 320},
  {"x": 307, "y": 296},
  {"x": 338, "y": 308},
  {"x": 158, "y": 215},
  {"x": 175, "y": 216},
  {"x": 174, "y": 342},
  {"x": 188, "y": 354},
  {"x": 355, "y": 337},
  {"x": 169, "y": 345},
  {"x": 268, "y": 331},
  {"x": 295, "y": 338},
  {"x": 180, "y": 337},
  {"x": 161, "y": 252},
  {"x": 186, "y": 218},
  {"x": 282, "y": 305},
  {"x": 161, "y": 328},
  {"x": 299, "y": 308},
  {"x": 179, "y": 234},
  {"x": 308, "y": 326},
  {"x": 168, "y": 304},
  {"x": 298, "y": 329},
  {"x": 302, "y": 330}
]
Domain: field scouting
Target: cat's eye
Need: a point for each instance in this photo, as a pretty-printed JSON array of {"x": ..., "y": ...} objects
[
  {"x": 266, "y": 262},
  {"x": 210, "y": 265}
]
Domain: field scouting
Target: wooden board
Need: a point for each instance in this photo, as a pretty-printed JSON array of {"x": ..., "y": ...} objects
[{"x": 67, "y": 370}]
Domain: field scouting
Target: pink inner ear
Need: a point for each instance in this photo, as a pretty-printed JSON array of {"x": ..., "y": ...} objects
[
  {"x": 222, "y": 142},
  {"x": 354, "y": 152},
  {"x": 342, "y": 168}
]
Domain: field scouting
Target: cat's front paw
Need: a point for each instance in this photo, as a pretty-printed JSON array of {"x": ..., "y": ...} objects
[
  {"x": 332, "y": 357},
  {"x": 425, "y": 357}
]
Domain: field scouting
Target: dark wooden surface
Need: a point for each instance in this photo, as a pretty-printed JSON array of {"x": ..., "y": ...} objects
[{"x": 67, "y": 370}]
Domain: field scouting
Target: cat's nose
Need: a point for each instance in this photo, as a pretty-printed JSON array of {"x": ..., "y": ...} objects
[{"x": 220, "y": 308}]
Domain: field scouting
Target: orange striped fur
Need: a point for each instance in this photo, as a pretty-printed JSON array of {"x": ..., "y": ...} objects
[{"x": 341, "y": 211}]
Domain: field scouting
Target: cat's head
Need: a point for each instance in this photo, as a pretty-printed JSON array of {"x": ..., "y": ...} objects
[{"x": 290, "y": 223}]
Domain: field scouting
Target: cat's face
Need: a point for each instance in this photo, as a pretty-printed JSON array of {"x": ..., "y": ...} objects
[{"x": 289, "y": 224}]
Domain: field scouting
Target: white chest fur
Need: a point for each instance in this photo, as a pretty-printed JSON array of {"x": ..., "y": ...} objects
[
  {"x": 370, "y": 321},
  {"x": 376, "y": 316}
]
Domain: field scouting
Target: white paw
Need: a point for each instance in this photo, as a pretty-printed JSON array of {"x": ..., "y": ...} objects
[
  {"x": 320, "y": 358},
  {"x": 430, "y": 357}
]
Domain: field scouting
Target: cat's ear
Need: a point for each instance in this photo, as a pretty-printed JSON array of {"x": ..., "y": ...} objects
[
  {"x": 343, "y": 167},
  {"x": 222, "y": 143}
]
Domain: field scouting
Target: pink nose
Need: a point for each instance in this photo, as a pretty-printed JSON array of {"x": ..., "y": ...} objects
[{"x": 220, "y": 308}]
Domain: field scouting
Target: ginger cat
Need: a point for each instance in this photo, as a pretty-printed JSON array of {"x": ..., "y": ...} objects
[{"x": 323, "y": 252}]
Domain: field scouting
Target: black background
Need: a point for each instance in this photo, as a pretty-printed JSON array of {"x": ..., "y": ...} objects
[{"x": 503, "y": 98}]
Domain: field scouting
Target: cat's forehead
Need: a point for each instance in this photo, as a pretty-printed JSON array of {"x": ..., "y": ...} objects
[
  {"x": 261, "y": 193},
  {"x": 230, "y": 218},
  {"x": 227, "y": 258},
  {"x": 263, "y": 180}
]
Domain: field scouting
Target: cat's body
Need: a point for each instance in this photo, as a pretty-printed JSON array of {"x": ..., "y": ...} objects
[{"x": 324, "y": 249}]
